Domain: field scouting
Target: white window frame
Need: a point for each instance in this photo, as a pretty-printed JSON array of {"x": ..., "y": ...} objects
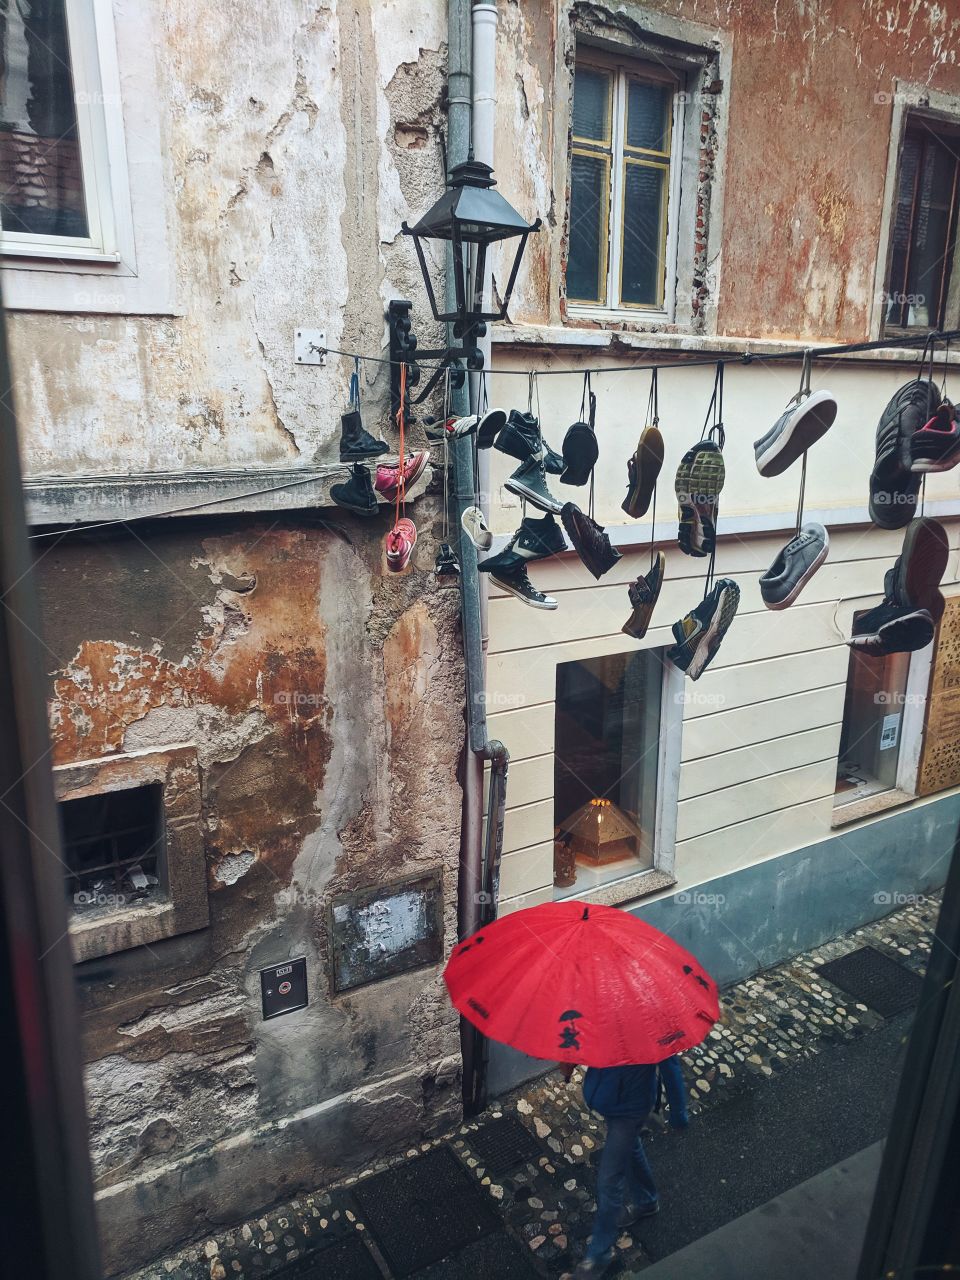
[
  {"x": 908, "y": 100},
  {"x": 90, "y": 105},
  {"x": 132, "y": 271},
  {"x": 912, "y": 721},
  {"x": 635, "y": 884},
  {"x": 625, "y": 68}
]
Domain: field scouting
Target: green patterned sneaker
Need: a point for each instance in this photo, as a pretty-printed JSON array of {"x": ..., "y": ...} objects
[
  {"x": 698, "y": 633},
  {"x": 699, "y": 481}
]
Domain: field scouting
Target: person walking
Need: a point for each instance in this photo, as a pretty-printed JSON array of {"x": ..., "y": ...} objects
[
  {"x": 625, "y": 1097},
  {"x": 674, "y": 1086}
]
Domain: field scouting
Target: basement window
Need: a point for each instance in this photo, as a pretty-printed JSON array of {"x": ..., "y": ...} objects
[
  {"x": 133, "y": 850},
  {"x": 113, "y": 848},
  {"x": 606, "y": 762},
  {"x": 624, "y": 192},
  {"x": 921, "y": 293}
]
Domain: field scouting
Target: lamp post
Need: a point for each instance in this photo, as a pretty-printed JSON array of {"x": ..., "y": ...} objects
[{"x": 471, "y": 215}]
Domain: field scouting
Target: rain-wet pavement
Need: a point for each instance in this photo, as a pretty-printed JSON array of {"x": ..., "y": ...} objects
[{"x": 796, "y": 1077}]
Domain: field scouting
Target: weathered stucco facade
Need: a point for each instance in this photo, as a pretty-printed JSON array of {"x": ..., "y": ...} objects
[
  {"x": 313, "y": 702},
  {"x": 308, "y": 708}
]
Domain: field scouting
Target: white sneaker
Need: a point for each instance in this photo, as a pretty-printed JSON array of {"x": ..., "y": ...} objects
[
  {"x": 463, "y": 426},
  {"x": 476, "y": 529}
]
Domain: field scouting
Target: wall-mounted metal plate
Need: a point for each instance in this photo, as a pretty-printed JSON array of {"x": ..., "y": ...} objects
[
  {"x": 308, "y": 346},
  {"x": 379, "y": 932},
  {"x": 283, "y": 987}
]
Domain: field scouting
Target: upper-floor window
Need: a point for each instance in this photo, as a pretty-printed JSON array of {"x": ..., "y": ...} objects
[
  {"x": 54, "y": 170},
  {"x": 624, "y": 192},
  {"x": 923, "y": 239}
]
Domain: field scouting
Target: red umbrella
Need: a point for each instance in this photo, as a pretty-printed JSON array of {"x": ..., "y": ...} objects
[{"x": 582, "y": 983}]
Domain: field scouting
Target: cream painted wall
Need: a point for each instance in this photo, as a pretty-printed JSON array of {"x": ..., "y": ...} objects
[
  {"x": 754, "y": 396},
  {"x": 760, "y": 729}
]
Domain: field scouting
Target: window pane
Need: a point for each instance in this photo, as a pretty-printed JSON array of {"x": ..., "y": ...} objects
[
  {"x": 112, "y": 847},
  {"x": 931, "y": 233},
  {"x": 872, "y": 716},
  {"x": 40, "y": 171},
  {"x": 648, "y": 115},
  {"x": 605, "y": 770},
  {"x": 644, "y": 225},
  {"x": 591, "y": 104},
  {"x": 586, "y": 261},
  {"x": 897, "y": 303}
]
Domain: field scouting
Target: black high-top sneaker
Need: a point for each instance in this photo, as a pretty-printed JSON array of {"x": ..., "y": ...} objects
[
  {"x": 515, "y": 581},
  {"x": 356, "y": 443},
  {"x": 530, "y": 483},
  {"x": 521, "y": 439},
  {"x": 356, "y": 494},
  {"x": 534, "y": 540}
]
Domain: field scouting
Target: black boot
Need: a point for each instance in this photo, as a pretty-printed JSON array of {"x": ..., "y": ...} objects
[
  {"x": 356, "y": 494},
  {"x": 356, "y": 443}
]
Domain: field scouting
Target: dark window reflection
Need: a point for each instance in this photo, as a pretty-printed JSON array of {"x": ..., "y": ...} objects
[{"x": 40, "y": 166}]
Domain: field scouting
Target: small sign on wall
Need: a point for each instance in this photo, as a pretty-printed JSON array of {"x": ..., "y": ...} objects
[
  {"x": 386, "y": 930},
  {"x": 283, "y": 987},
  {"x": 890, "y": 731}
]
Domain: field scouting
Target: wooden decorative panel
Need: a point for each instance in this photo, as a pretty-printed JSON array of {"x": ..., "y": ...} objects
[{"x": 940, "y": 760}]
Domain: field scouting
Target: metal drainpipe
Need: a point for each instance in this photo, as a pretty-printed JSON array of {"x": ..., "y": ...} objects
[{"x": 479, "y": 869}]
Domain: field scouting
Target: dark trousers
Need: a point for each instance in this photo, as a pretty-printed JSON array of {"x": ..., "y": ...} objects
[{"x": 623, "y": 1169}]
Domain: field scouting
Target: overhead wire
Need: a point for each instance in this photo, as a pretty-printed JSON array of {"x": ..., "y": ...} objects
[{"x": 677, "y": 362}]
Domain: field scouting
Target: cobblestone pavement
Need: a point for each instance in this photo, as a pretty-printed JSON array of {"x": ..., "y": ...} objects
[{"x": 769, "y": 1022}]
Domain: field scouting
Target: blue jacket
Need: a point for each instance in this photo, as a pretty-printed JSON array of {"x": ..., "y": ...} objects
[{"x": 621, "y": 1091}]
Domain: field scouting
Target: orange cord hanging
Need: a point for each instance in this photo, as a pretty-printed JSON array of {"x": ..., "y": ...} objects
[{"x": 401, "y": 477}]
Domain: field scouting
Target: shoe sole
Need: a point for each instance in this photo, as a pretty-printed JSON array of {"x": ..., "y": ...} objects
[
  {"x": 887, "y": 635},
  {"x": 649, "y": 461},
  {"x": 923, "y": 562},
  {"x": 811, "y": 420},
  {"x": 364, "y": 457},
  {"x": 698, "y": 486},
  {"x": 706, "y": 650},
  {"x": 489, "y": 427},
  {"x": 945, "y": 462},
  {"x": 534, "y": 498},
  {"x": 548, "y": 602},
  {"x": 802, "y": 580},
  {"x": 885, "y": 640}
]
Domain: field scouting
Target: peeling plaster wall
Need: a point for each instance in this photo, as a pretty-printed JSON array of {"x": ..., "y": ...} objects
[
  {"x": 804, "y": 129},
  {"x": 270, "y": 119},
  {"x": 325, "y": 702}
]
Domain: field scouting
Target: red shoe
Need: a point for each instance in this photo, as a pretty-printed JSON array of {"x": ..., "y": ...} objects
[
  {"x": 388, "y": 474},
  {"x": 936, "y": 445},
  {"x": 400, "y": 542}
]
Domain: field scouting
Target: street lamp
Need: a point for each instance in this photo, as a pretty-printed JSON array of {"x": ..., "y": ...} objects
[
  {"x": 471, "y": 216},
  {"x": 470, "y": 213}
]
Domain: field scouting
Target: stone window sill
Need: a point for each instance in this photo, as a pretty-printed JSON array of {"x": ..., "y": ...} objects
[
  {"x": 621, "y": 892},
  {"x": 617, "y": 342},
  {"x": 855, "y": 810}
]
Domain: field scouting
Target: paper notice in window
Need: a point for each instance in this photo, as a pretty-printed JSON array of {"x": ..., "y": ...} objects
[{"x": 890, "y": 731}]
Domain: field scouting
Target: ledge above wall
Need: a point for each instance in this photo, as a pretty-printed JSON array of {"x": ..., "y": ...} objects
[{"x": 90, "y": 499}]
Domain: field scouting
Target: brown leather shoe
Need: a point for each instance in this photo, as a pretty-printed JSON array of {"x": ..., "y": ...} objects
[
  {"x": 589, "y": 540},
  {"x": 644, "y": 594}
]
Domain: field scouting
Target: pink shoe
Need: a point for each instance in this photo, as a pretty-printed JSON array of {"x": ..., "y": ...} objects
[
  {"x": 400, "y": 542},
  {"x": 388, "y": 474}
]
